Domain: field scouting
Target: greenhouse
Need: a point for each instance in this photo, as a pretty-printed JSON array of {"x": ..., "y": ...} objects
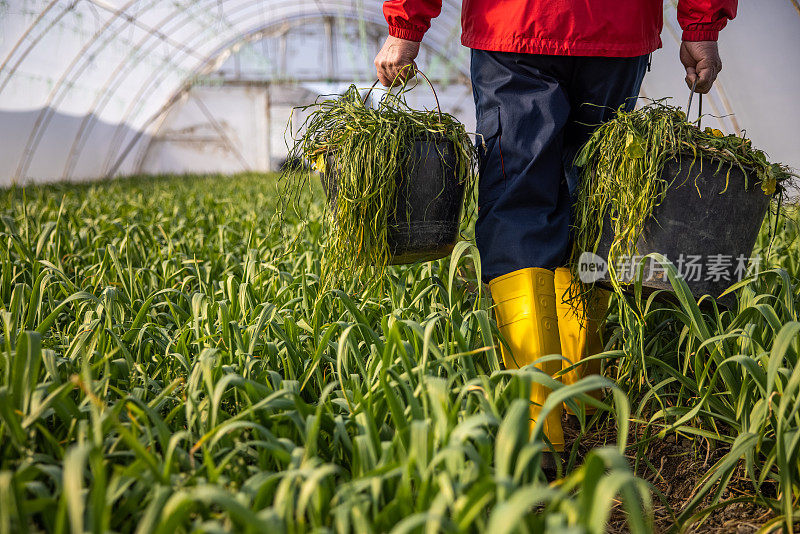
[{"x": 246, "y": 287}]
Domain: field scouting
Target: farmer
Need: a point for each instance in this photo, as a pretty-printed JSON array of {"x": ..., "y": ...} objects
[{"x": 544, "y": 73}]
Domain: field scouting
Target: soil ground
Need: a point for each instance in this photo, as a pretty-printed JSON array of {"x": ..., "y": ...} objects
[{"x": 675, "y": 466}]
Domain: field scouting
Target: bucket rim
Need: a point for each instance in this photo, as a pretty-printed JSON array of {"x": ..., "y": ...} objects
[{"x": 676, "y": 156}]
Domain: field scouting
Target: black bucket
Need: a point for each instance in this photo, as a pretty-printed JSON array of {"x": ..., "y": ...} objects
[
  {"x": 697, "y": 224},
  {"x": 425, "y": 222}
]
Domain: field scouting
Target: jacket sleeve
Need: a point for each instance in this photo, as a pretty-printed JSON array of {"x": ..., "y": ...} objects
[
  {"x": 410, "y": 19},
  {"x": 701, "y": 20}
]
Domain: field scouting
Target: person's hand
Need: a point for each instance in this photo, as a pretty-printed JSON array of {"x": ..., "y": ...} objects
[
  {"x": 702, "y": 62},
  {"x": 396, "y": 54}
]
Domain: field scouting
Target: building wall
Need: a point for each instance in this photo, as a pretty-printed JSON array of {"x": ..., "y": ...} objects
[{"x": 214, "y": 129}]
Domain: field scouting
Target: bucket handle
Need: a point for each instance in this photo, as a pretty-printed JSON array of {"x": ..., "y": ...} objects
[
  {"x": 415, "y": 71},
  {"x": 699, "y": 103}
]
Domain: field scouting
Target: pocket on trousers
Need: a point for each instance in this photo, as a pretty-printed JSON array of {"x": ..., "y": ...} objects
[{"x": 491, "y": 181}]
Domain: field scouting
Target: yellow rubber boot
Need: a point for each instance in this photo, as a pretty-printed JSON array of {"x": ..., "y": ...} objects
[
  {"x": 525, "y": 308},
  {"x": 579, "y": 330}
]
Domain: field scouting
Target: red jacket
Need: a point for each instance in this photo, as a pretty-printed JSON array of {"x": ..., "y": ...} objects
[{"x": 621, "y": 28}]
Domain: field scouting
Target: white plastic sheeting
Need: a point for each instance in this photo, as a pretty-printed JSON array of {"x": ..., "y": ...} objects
[
  {"x": 94, "y": 88},
  {"x": 84, "y": 84}
]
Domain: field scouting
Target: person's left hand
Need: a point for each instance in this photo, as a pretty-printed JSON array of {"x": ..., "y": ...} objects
[{"x": 702, "y": 62}]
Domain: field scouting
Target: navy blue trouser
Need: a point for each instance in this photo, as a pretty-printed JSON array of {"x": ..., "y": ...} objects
[{"x": 534, "y": 113}]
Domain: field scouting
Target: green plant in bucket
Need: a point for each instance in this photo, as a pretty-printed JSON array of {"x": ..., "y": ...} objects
[
  {"x": 622, "y": 182},
  {"x": 621, "y": 173},
  {"x": 369, "y": 151}
]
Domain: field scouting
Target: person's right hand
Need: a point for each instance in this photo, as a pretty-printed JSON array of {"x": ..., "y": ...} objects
[{"x": 394, "y": 55}]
